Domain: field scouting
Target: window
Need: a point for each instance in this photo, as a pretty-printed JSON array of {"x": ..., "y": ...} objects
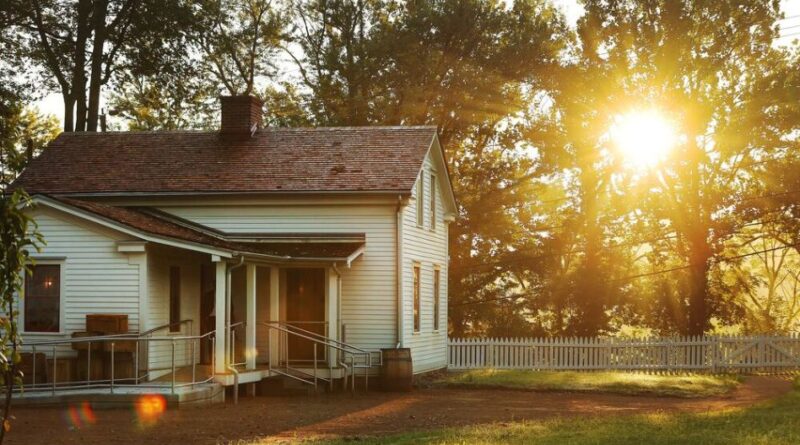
[
  {"x": 421, "y": 201},
  {"x": 433, "y": 202},
  {"x": 174, "y": 299},
  {"x": 437, "y": 273},
  {"x": 416, "y": 297},
  {"x": 42, "y": 301}
]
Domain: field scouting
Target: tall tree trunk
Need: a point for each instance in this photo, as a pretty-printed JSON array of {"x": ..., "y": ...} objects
[
  {"x": 590, "y": 295},
  {"x": 699, "y": 266},
  {"x": 79, "y": 70},
  {"x": 69, "y": 111},
  {"x": 99, "y": 27}
]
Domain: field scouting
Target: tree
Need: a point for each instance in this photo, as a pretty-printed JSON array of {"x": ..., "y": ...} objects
[
  {"x": 710, "y": 67},
  {"x": 23, "y": 134},
  {"x": 79, "y": 45},
  {"x": 18, "y": 236},
  {"x": 238, "y": 40},
  {"x": 469, "y": 67}
]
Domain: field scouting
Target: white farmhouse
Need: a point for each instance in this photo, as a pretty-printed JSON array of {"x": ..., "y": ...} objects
[{"x": 259, "y": 251}]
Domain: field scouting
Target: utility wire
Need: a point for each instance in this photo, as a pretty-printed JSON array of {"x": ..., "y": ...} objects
[{"x": 641, "y": 275}]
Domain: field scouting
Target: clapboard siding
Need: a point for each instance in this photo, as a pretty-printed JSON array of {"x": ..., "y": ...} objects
[
  {"x": 429, "y": 248},
  {"x": 96, "y": 278},
  {"x": 159, "y": 261},
  {"x": 368, "y": 287}
]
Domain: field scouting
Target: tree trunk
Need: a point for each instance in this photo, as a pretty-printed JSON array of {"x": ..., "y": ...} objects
[
  {"x": 699, "y": 313},
  {"x": 590, "y": 295},
  {"x": 79, "y": 70},
  {"x": 69, "y": 111},
  {"x": 99, "y": 26}
]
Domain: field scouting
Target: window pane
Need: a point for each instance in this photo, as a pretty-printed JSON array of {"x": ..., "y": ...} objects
[
  {"x": 42, "y": 301},
  {"x": 174, "y": 298},
  {"x": 416, "y": 299}
]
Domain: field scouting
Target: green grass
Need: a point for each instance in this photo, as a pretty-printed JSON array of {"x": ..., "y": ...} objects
[
  {"x": 774, "y": 423},
  {"x": 609, "y": 382}
]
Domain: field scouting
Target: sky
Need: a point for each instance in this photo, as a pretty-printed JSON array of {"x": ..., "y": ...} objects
[{"x": 52, "y": 103}]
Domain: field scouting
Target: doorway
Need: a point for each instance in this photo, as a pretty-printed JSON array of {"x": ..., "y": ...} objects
[{"x": 305, "y": 309}]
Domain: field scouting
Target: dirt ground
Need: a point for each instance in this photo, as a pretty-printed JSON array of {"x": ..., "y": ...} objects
[{"x": 350, "y": 415}]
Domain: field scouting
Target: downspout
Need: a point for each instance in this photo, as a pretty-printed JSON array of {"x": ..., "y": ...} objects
[
  {"x": 228, "y": 338},
  {"x": 399, "y": 271}
]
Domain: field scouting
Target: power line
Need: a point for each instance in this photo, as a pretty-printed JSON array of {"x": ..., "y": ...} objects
[{"x": 641, "y": 275}]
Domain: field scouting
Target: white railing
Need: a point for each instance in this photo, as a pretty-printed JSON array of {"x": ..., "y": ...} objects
[{"x": 767, "y": 354}]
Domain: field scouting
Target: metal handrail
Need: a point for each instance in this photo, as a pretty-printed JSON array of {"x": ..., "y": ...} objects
[
  {"x": 232, "y": 353},
  {"x": 168, "y": 325},
  {"x": 322, "y": 337},
  {"x": 329, "y": 343},
  {"x": 113, "y": 381}
]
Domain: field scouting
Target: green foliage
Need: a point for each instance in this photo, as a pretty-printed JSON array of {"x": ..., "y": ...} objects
[{"x": 18, "y": 236}]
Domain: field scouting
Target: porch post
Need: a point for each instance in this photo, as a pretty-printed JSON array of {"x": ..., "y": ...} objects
[
  {"x": 219, "y": 317},
  {"x": 250, "y": 325},
  {"x": 274, "y": 312},
  {"x": 332, "y": 309}
]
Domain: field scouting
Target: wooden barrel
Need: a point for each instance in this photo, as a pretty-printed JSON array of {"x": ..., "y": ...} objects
[{"x": 396, "y": 371}]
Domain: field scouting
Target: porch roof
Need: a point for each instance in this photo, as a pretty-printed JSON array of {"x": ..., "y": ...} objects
[{"x": 152, "y": 225}]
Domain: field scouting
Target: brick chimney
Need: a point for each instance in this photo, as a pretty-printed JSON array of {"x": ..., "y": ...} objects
[{"x": 241, "y": 115}]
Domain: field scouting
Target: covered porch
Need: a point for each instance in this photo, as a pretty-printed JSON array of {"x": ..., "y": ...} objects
[{"x": 263, "y": 312}]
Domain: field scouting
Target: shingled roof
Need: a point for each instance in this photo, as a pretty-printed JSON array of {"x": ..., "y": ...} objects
[
  {"x": 144, "y": 220},
  {"x": 345, "y": 159}
]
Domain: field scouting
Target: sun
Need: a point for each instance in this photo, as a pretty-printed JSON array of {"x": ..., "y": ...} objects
[{"x": 643, "y": 138}]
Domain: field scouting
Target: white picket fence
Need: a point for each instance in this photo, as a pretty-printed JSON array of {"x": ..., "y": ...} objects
[{"x": 745, "y": 354}]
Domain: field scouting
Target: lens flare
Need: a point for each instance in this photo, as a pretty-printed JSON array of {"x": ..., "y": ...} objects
[
  {"x": 149, "y": 408},
  {"x": 644, "y": 138},
  {"x": 80, "y": 416}
]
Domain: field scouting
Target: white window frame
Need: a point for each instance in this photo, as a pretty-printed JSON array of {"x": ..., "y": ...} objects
[
  {"x": 416, "y": 297},
  {"x": 432, "y": 202},
  {"x": 421, "y": 201},
  {"x": 437, "y": 296},
  {"x": 61, "y": 263}
]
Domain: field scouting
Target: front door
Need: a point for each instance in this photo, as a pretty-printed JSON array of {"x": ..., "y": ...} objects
[{"x": 305, "y": 309}]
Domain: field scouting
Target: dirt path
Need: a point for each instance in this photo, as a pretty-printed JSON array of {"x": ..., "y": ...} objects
[{"x": 352, "y": 415}]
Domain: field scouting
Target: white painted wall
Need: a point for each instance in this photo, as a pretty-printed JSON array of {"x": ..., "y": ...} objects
[
  {"x": 368, "y": 287},
  {"x": 160, "y": 259},
  {"x": 429, "y": 248},
  {"x": 95, "y": 277}
]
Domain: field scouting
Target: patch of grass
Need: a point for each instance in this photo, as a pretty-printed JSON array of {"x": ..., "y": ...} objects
[
  {"x": 773, "y": 423},
  {"x": 610, "y": 382}
]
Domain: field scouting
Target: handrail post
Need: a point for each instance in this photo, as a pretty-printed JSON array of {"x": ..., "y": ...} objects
[
  {"x": 269, "y": 349},
  {"x": 136, "y": 363},
  {"x": 330, "y": 359},
  {"x": 34, "y": 366},
  {"x": 315, "y": 366},
  {"x": 112, "y": 367},
  {"x": 173, "y": 367},
  {"x": 213, "y": 354},
  {"x": 194, "y": 368},
  {"x": 54, "y": 370},
  {"x": 233, "y": 346},
  {"x": 89, "y": 365}
]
